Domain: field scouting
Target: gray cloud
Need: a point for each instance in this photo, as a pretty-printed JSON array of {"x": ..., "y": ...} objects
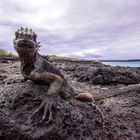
[{"x": 99, "y": 29}]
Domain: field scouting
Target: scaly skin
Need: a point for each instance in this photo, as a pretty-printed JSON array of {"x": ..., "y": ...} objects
[{"x": 36, "y": 68}]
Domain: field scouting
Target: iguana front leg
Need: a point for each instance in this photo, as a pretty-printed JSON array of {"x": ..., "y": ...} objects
[
  {"x": 49, "y": 102},
  {"x": 57, "y": 86}
]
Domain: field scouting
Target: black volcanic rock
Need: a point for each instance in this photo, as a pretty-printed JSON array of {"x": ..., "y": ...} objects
[
  {"x": 119, "y": 102},
  {"x": 72, "y": 119},
  {"x": 107, "y": 75}
]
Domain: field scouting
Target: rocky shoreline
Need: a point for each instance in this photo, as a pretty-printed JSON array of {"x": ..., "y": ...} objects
[{"x": 116, "y": 91}]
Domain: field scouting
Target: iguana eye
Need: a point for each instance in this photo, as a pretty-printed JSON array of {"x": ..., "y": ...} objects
[
  {"x": 34, "y": 37},
  {"x": 29, "y": 36}
]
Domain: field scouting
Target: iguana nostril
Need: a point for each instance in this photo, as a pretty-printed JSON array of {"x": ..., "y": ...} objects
[{"x": 21, "y": 35}]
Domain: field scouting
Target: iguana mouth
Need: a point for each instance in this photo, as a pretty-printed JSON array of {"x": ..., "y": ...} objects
[{"x": 24, "y": 44}]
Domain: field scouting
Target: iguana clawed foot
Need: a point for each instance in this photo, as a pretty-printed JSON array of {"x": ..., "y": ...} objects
[{"x": 47, "y": 106}]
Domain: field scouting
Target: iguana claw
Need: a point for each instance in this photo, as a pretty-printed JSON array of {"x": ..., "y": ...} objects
[{"x": 47, "y": 105}]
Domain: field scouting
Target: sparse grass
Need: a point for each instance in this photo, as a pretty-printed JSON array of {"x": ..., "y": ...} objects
[
  {"x": 6, "y": 54},
  {"x": 53, "y": 58}
]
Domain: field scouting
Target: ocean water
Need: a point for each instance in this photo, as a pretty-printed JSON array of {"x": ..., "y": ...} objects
[{"x": 121, "y": 63}]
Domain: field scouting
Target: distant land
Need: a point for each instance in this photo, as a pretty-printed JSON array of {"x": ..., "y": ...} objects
[
  {"x": 131, "y": 60},
  {"x": 4, "y": 54}
]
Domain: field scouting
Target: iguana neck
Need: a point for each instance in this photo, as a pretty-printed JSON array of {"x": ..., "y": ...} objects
[{"x": 28, "y": 59}]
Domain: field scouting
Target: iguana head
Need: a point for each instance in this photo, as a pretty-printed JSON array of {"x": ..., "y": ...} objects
[{"x": 25, "y": 42}]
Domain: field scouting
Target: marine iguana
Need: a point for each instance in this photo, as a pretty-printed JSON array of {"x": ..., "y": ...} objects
[{"x": 36, "y": 68}]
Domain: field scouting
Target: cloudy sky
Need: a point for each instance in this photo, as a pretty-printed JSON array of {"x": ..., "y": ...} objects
[{"x": 93, "y": 29}]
